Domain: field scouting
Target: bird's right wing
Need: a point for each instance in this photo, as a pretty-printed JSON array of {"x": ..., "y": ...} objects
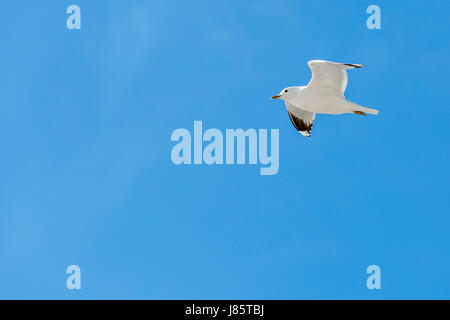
[
  {"x": 301, "y": 119},
  {"x": 330, "y": 77}
]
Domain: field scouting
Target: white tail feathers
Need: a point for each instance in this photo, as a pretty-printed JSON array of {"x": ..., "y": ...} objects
[
  {"x": 352, "y": 107},
  {"x": 367, "y": 110}
]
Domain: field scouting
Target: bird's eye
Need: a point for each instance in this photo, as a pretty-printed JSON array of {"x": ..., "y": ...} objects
[{"x": 285, "y": 91}]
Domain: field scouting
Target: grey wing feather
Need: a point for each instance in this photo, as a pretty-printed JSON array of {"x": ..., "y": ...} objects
[{"x": 330, "y": 77}]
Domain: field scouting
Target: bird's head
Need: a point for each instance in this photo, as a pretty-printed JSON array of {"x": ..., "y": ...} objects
[{"x": 284, "y": 94}]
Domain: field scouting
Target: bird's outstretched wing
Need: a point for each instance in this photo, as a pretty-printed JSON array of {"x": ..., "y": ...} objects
[
  {"x": 301, "y": 119},
  {"x": 330, "y": 77}
]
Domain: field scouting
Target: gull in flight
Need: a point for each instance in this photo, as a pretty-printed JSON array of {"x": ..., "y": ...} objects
[{"x": 323, "y": 94}]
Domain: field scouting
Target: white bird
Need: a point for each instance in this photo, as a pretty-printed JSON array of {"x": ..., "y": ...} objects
[{"x": 323, "y": 94}]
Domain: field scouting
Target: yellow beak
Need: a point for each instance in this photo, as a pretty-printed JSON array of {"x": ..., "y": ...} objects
[{"x": 276, "y": 97}]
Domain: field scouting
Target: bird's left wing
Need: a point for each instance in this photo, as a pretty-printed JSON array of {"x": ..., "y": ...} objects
[
  {"x": 301, "y": 119},
  {"x": 330, "y": 77}
]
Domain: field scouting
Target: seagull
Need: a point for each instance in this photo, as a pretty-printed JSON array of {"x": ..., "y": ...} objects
[{"x": 323, "y": 94}]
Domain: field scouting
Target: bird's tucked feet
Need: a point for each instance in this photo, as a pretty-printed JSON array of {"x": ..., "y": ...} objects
[{"x": 360, "y": 113}]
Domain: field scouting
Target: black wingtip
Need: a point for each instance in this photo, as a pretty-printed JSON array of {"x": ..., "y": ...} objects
[{"x": 354, "y": 65}]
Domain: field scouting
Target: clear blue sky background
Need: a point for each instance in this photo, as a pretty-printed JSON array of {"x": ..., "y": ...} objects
[{"x": 86, "y": 176}]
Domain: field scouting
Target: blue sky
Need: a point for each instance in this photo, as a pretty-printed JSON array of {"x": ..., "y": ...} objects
[{"x": 87, "y": 179}]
